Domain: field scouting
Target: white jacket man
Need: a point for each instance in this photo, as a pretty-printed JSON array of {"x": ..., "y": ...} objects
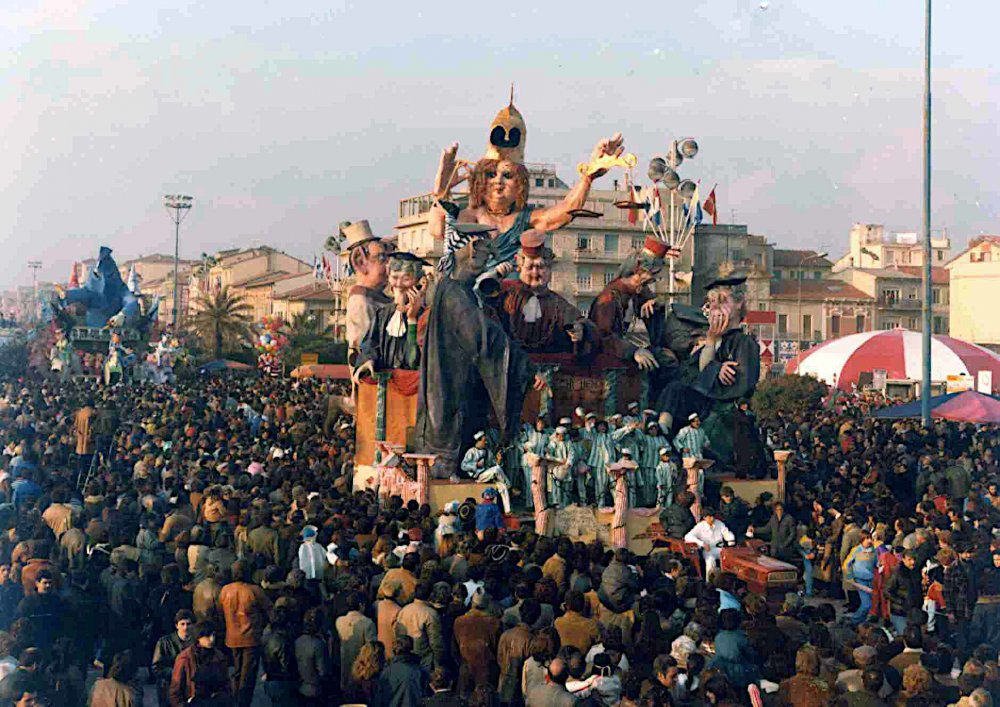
[{"x": 707, "y": 534}]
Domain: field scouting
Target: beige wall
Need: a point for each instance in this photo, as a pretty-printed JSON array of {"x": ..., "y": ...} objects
[{"x": 975, "y": 287}]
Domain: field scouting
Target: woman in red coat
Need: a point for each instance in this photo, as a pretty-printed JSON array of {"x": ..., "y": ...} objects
[{"x": 201, "y": 672}]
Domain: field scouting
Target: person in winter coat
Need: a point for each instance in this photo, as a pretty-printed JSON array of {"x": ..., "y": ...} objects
[
  {"x": 201, "y": 673},
  {"x": 782, "y": 533},
  {"x": 280, "y": 667},
  {"x": 677, "y": 519},
  {"x": 733, "y": 654},
  {"x": 904, "y": 590},
  {"x": 403, "y": 682},
  {"x": 733, "y": 511}
]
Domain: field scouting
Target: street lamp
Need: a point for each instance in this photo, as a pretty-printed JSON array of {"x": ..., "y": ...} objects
[
  {"x": 925, "y": 392},
  {"x": 180, "y": 204},
  {"x": 35, "y": 265},
  {"x": 802, "y": 263},
  {"x": 663, "y": 170}
]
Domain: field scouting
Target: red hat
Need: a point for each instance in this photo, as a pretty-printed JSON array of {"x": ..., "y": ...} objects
[
  {"x": 532, "y": 243},
  {"x": 655, "y": 248}
]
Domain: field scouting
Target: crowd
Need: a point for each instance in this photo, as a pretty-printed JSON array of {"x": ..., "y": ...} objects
[{"x": 202, "y": 541}]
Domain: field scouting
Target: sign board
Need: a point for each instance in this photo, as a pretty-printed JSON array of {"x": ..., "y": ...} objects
[
  {"x": 788, "y": 350},
  {"x": 766, "y": 350},
  {"x": 958, "y": 383},
  {"x": 879, "y": 377},
  {"x": 984, "y": 382},
  {"x": 309, "y": 359}
]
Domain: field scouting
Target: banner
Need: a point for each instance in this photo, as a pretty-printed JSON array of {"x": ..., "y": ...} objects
[
  {"x": 984, "y": 382},
  {"x": 309, "y": 359},
  {"x": 958, "y": 383}
]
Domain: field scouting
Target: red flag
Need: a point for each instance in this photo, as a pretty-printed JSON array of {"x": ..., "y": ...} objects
[{"x": 708, "y": 206}]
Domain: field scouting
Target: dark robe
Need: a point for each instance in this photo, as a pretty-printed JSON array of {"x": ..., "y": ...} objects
[
  {"x": 608, "y": 312},
  {"x": 388, "y": 351},
  {"x": 470, "y": 366},
  {"x": 697, "y": 390},
  {"x": 548, "y": 334}
]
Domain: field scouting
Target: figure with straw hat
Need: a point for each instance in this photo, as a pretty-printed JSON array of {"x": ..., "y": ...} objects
[
  {"x": 498, "y": 185},
  {"x": 366, "y": 256}
]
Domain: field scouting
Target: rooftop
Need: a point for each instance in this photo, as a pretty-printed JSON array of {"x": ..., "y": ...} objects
[
  {"x": 796, "y": 258},
  {"x": 317, "y": 291},
  {"x": 266, "y": 279},
  {"x": 816, "y": 290},
  {"x": 939, "y": 275}
]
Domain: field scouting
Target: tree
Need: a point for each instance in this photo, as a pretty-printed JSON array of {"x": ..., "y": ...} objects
[
  {"x": 306, "y": 335},
  {"x": 789, "y": 395},
  {"x": 220, "y": 319}
]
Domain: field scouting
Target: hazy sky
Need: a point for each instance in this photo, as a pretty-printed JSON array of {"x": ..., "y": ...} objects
[{"x": 284, "y": 118}]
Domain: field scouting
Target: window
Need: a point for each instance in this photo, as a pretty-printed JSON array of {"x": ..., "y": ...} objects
[
  {"x": 888, "y": 325},
  {"x": 911, "y": 323},
  {"x": 782, "y": 323},
  {"x": 940, "y": 255},
  {"x": 817, "y": 275},
  {"x": 637, "y": 243},
  {"x": 835, "y": 325},
  {"x": 552, "y": 183},
  {"x": 936, "y": 295},
  {"x": 939, "y": 325},
  {"x": 539, "y": 182},
  {"x": 890, "y": 295},
  {"x": 583, "y": 242},
  {"x": 610, "y": 242},
  {"x": 584, "y": 282},
  {"x": 609, "y": 275},
  {"x": 859, "y": 323},
  {"x": 807, "y": 325}
]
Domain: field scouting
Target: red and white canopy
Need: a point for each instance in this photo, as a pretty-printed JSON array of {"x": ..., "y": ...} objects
[{"x": 840, "y": 361}]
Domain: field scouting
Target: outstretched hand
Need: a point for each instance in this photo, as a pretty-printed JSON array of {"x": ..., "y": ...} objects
[
  {"x": 539, "y": 384},
  {"x": 446, "y": 170},
  {"x": 613, "y": 146},
  {"x": 368, "y": 367}
]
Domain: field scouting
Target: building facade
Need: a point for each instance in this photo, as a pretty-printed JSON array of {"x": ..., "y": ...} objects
[
  {"x": 975, "y": 286},
  {"x": 872, "y": 247}
]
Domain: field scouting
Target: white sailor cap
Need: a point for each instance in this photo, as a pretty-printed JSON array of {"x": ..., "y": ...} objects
[
  {"x": 590, "y": 416},
  {"x": 560, "y": 430},
  {"x": 633, "y": 406},
  {"x": 692, "y": 416},
  {"x": 479, "y": 435},
  {"x": 565, "y": 421},
  {"x": 579, "y": 412},
  {"x": 626, "y": 452},
  {"x": 649, "y": 411},
  {"x": 664, "y": 450}
]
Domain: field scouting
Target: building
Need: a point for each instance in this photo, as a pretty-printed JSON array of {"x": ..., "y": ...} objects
[
  {"x": 243, "y": 270},
  {"x": 320, "y": 299},
  {"x": 872, "y": 247},
  {"x": 898, "y": 293},
  {"x": 813, "y": 310},
  {"x": 800, "y": 265},
  {"x": 588, "y": 251},
  {"x": 155, "y": 267},
  {"x": 260, "y": 291},
  {"x": 975, "y": 282}
]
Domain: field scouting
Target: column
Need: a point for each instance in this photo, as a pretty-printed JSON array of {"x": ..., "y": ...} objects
[
  {"x": 424, "y": 463},
  {"x": 539, "y": 473},
  {"x": 380, "y": 410},
  {"x": 781, "y": 456}
]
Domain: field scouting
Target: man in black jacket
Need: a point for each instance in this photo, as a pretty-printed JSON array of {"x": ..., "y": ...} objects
[
  {"x": 677, "y": 519},
  {"x": 167, "y": 649},
  {"x": 280, "y": 666},
  {"x": 904, "y": 590},
  {"x": 733, "y": 511},
  {"x": 781, "y": 532}
]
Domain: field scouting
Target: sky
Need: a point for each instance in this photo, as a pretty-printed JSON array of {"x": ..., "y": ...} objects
[{"x": 283, "y": 119}]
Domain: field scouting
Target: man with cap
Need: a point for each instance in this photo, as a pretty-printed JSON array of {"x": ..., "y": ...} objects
[
  {"x": 632, "y": 410},
  {"x": 665, "y": 473},
  {"x": 560, "y": 475},
  {"x": 537, "y": 318},
  {"x": 691, "y": 441},
  {"x": 533, "y": 440},
  {"x": 649, "y": 445},
  {"x": 625, "y": 312},
  {"x": 707, "y": 534},
  {"x": 488, "y": 515},
  {"x": 478, "y": 465},
  {"x": 391, "y": 340},
  {"x": 602, "y": 453},
  {"x": 313, "y": 561},
  {"x": 366, "y": 257}
]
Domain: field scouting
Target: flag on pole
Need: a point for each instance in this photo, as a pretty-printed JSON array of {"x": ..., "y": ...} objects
[
  {"x": 710, "y": 209},
  {"x": 317, "y": 268},
  {"x": 692, "y": 212}
]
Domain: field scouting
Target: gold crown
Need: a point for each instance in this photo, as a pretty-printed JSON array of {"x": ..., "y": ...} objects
[{"x": 507, "y": 134}]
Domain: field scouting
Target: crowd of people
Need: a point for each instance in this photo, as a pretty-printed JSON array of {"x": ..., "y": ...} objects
[{"x": 203, "y": 542}]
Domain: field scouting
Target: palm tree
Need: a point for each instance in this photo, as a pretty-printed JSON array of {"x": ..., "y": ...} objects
[
  {"x": 221, "y": 318},
  {"x": 306, "y": 334}
]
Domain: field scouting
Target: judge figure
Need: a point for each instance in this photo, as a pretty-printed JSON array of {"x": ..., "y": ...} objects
[
  {"x": 537, "y": 318},
  {"x": 470, "y": 366},
  {"x": 366, "y": 258},
  {"x": 391, "y": 341}
]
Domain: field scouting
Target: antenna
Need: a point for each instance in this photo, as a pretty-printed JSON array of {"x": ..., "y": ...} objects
[{"x": 511, "y": 93}]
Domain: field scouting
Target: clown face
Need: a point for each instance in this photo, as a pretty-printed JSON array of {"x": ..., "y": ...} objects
[
  {"x": 722, "y": 305},
  {"x": 536, "y": 273},
  {"x": 402, "y": 280}
]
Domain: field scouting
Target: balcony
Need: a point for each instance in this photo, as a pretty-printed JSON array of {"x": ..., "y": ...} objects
[
  {"x": 592, "y": 255},
  {"x": 900, "y": 303}
]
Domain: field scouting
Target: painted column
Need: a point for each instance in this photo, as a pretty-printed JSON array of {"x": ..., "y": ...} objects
[
  {"x": 424, "y": 463},
  {"x": 539, "y": 473},
  {"x": 782, "y": 456}
]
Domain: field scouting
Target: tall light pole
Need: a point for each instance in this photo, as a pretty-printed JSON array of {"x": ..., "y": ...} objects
[
  {"x": 925, "y": 388},
  {"x": 35, "y": 265},
  {"x": 802, "y": 263},
  {"x": 663, "y": 170},
  {"x": 180, "y": 204}
]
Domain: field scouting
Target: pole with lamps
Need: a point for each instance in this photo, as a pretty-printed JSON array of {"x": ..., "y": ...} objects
[
  {"x": 180, "y": 205},
  {"x": 663, "y": 170},
  {"x": 925, "y": 388}
]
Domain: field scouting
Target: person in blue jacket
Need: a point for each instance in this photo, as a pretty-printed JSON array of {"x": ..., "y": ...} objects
[{"x": 488, "y": 512}]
